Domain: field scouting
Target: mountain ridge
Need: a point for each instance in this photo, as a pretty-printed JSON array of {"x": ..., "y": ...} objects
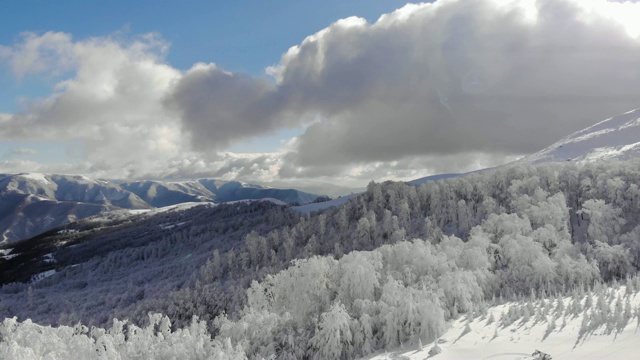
[
  {"x": 31, "y": 203},
  {"x": 615, "y": 138}
]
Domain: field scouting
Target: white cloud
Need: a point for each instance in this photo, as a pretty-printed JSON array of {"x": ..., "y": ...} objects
[
  {"x": 111, "y": 103},
  {"x": 440, "y": 87},
  {"x": 50, "y": 52}
]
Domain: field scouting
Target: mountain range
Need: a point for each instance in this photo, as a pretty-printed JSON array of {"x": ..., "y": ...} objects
[{"x": 31, "y": 203}]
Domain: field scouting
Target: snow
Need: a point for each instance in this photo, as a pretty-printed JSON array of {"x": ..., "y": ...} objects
[
  {"x": 519, "y": 340},
  {"x": 247, "y": 201},
  {"x": 10, "y": 256},
  {"x": 68, "y": 231},
  {"x": 40, "y": 198},
  {"x": 42, "y": 275},
  {"x": 432, "y": 178},
  {"x": 178, "y": 207},
  {"x": 171, "y": 226},
  {"x": 6, "y": 254},
  {"x": 309, "y": 208},
  {"x": 36, "y": 177},
  {"x": 613, "y": 138},
  {"x": 125, "y": 213}
]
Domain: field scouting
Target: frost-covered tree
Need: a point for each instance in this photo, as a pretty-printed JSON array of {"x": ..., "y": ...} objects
[{"x": 333, "y": 337}]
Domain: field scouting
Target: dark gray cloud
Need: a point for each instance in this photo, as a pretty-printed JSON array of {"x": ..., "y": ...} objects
[
  {"x": 452, "y": 78},
  {"x": 218, "y": 107}
]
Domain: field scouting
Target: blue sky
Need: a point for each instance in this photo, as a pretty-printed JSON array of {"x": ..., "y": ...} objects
[
  {"x": 240, "y": 36},
  {"x": 179, "y": 89}
]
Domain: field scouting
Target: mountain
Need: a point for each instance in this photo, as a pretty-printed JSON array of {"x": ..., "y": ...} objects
[
  {"x": 159, "y": 194},
  {"x": 389, "y": 270},
  {"x": 31, "y": 203},
  {"x": 616, "y": 138},
  {"x": 433, "y": 178},
  {"x": 164, "y": 193}
]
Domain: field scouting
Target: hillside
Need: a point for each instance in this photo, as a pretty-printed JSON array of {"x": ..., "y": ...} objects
[
  {"x": 616, "y": 138},
  {"x": 596, "y": 325},
  {"x": 393, "y": 266}
]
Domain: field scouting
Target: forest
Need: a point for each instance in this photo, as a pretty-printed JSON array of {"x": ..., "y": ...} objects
[{"x": 391, "y": 266}]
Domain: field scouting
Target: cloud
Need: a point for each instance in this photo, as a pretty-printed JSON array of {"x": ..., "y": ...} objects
[
  {"x": 218, "y": 107},
  {"x": 20, "y": 151},
  {"x": 110, "y": 102},
  {"x": 447, "y": 86},
  {"x": 49, "y": 52},
  {"x": 451, "y": 79}
]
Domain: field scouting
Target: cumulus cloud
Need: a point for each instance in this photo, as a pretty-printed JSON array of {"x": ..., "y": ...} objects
[
  {"x": 464, "y": 79},
  {"x": 110, "y": 103},
  {"x": 447, "y": 86}
]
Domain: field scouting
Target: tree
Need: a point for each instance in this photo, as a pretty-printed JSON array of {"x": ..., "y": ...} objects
[
  {"x": 333, "y": 338},
  {"x": 605, "y": 221},
  {"x": 358, "y": 276},
  {"x": 614, "y": 261}
]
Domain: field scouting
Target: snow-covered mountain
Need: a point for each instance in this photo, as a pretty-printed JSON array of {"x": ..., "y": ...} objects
[
  {"x": 164, "y": 193},
  {"x": 433, "y": 264},
  {"x": 31, "y": 203},
  {"x": 70, "y": 188},
  {"x": 616, "y": 138}
]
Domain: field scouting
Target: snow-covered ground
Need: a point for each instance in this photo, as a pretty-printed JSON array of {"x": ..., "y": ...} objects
[
  {"x": 6, "y": 254},
  {"x": 488, "y": 337},
  {"x": 178, "y": 207},
  {"x": 246, "y": 201},
  {"x": 309, "y": 208},
  {"x": 36, "y": 177},
  {"x": 42, "y": 275}
]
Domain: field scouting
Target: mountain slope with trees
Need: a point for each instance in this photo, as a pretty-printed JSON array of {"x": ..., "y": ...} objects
[{"x": 390, "y": 266}]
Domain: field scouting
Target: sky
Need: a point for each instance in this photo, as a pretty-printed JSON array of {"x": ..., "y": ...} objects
[{"x": 303, "y": 92}]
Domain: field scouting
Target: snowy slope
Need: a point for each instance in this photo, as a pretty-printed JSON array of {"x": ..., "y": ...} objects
[
  {"x": 165, "y": 193},
  {"x": 490, "y": 337},
  {"x": 433, "y": 178},
  {"x": 309, "y": 208},
  {"x": 614, "y": 138}
]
